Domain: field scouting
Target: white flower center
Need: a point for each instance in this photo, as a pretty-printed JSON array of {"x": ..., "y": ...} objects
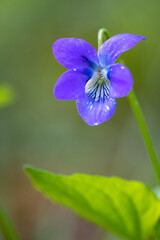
[{"x": 98, "y": 86}]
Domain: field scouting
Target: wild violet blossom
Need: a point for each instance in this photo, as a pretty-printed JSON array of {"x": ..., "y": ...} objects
[{"x": 94, "y": 79}]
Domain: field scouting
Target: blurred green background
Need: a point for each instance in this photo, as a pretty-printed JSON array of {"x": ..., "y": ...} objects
[{"x": 36, "y": 128}]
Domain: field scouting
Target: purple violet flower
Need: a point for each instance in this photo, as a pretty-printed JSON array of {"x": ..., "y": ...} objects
[{"x": 94, "y": 79}]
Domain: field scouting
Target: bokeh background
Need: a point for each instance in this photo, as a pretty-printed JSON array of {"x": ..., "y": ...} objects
[{"x": 37, "y": 129}]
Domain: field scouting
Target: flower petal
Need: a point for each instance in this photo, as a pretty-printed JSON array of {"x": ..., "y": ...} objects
[
  {"x": 73, "y": 53},
  {"x": 121, "y": 81},
  {"x": 96, "y": 112},
  {"x": 71, "y": 84},
  {"x": 115, "y": 46}
]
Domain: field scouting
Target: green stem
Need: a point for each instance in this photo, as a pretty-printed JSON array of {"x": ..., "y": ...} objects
[
  {"x": 147, "y": 139},
  {"x": 8, "y": 230},
  {"x": 101, "y": 33},
  {"x": 138, "y": 114}
]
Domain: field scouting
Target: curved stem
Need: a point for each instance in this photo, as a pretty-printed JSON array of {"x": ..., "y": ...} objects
[
  {"x": 147, "y": 139},
  {"x": 101, "y": 33},
  {"x": 138, "y": 114}
]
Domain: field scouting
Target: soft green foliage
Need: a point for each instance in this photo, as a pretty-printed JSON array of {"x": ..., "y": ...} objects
[
  {"x": 156, "y": 190},
  {"x": 8, "y": 230},
  {"x": 127, "y": 208},
  {"x": 156, "y": 233},
  {"x": 7, "y": 95}
]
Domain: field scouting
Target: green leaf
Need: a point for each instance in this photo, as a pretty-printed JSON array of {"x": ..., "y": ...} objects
[
  {"x": 156, "y": 233},
  {"x": 6, "y": 226},
  {"x": 7, "y": 95},
  {"x": 127, "y": 208}
]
